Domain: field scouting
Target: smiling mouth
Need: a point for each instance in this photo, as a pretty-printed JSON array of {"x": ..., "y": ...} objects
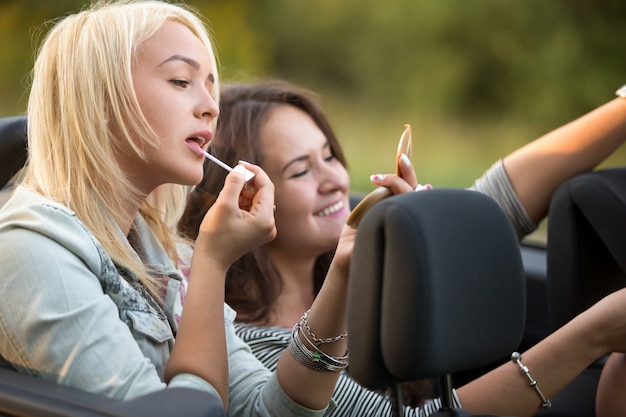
[{"x": 330, "y": 210}]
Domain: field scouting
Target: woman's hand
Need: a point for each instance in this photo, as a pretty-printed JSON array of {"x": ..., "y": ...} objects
[
  {"x": 404, "y": 182},
  {"x": 241, "y": 219}
]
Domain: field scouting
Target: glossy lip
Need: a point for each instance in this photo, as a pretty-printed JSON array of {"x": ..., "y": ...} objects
[
  {"x": 204, "y": 137},
  {"x": 197, "y": 141}
]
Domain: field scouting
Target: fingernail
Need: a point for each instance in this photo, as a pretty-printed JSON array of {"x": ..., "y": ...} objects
[
  {"x": 421, "y": 187},
  {"x": 377, "y": 177},
  {"x": 405, "y": 160}
]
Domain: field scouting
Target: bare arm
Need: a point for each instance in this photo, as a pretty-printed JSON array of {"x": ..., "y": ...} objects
[
  {"x": 226, "y": 232},
  {"x": 554, "y": 362},
  {"x": 538, "y": 168},
  {"x": 327, "y": 318}
]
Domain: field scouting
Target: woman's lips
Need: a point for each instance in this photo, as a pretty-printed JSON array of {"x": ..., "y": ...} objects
[{"x": 194, "y": 146}]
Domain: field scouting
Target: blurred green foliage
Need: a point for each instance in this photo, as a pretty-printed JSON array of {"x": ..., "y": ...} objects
[{"x": 475, "y": 78}]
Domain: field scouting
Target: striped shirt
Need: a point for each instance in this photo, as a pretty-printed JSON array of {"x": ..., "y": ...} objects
[{"x": 353, "y": 400}]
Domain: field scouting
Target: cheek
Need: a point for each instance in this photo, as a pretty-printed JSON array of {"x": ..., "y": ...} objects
[
  {"x": 294, "y": 201},
  {"x": 158, "y": 116},
  {"x": 342, "y": 173}
]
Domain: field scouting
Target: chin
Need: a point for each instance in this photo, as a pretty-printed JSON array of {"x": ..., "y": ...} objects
[{"x": 192, "y": 178}]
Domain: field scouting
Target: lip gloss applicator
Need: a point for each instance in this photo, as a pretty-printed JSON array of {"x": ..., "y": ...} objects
[{"x": 247, "y": 175}]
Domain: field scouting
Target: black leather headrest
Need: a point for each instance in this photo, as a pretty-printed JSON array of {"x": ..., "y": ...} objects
[
  {"x": 12, "y": 147},
  {"x": 586, "y": 239},
  {"x": 436, "y": 286}
]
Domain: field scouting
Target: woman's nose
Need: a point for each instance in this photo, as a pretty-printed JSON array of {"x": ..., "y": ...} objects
[
  {"x": 332, "y": 179},
  {"x": 207, "y": 107}
]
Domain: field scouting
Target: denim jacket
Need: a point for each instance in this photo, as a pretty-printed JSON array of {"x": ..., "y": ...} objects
[{"x": 70, "y": 315}]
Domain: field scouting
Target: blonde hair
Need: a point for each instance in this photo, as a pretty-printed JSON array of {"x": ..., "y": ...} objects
[{"x": 83, "y": 111}]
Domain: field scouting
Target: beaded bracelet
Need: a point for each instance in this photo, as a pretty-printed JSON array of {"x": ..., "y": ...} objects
[{"x": 516, "y": 357}]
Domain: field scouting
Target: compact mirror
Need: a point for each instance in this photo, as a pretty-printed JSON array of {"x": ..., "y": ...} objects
[{"x": 404, "y": 146}]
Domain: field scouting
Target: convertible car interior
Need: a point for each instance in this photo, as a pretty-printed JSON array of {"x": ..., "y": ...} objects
[{"x": 423, "y": 306}]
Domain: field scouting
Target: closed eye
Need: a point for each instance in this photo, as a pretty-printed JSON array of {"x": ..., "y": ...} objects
[{"x": 299, "y": 174}]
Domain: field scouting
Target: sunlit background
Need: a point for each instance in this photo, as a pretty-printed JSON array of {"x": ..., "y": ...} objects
[{"x": 474, "y": 78}]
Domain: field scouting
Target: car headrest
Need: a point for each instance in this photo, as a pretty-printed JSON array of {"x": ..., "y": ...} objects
[
  {"x": 12, "y": 147},
  {"x": 586, "y": 237},
  {"x": 436, "y": 287}
]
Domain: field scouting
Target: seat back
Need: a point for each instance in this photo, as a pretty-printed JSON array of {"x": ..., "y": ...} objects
[
  {"x": 586, "y": 259},
  {"x": 25, "y": 395},
  {"x": 436, "y": 287},
  {"x": 12, "y": 147}
]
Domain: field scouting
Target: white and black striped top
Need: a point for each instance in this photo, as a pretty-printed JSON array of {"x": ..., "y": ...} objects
[{"x": 353, "y": 400}]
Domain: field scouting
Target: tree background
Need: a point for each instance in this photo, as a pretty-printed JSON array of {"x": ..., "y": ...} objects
[{"x": 475, "y": 78}]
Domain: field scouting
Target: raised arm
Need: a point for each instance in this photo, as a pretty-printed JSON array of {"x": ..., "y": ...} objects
[
  {"x": 326, "y": 320},
  {"x": 538, "y": 168},
  {"x": 226, "y": 233}
]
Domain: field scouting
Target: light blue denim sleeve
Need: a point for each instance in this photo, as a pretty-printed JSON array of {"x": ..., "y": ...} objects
[
  {"x": 194, "y": 382},
  {"x": 56, "y": 321},
  {"x": 254, "y": 390}
]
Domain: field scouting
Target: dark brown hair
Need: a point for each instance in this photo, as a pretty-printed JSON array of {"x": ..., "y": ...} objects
[{"x": 252, "y": 283}]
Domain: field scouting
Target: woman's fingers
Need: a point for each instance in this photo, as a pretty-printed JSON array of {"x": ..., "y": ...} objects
[
  {"x": 258, "y": 194},
  {"x": 406, "y": 170},
  {"x": 242, "y": 217},
  {"x": 388, "y": 184}
]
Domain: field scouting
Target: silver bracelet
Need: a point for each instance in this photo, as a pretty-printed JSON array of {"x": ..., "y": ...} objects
[
  {"x": 339, "y": 361},
  {"x": 317, "y": 341},
  {"x": 315, "y": 360},
  {"x": 516, "y": 357}
]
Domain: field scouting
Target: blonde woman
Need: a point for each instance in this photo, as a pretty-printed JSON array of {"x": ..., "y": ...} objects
[{"x": 124, "y": 99}]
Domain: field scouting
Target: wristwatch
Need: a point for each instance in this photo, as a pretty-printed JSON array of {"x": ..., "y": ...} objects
[{"x": 621, "y": 92}]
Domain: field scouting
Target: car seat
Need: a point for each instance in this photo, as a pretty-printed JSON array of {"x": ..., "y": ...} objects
[
  {"x": 12, "y": 147},
  {"x": 585, "y": 261},
  {"x": 436, "y": 287},
  {"x": 586, "y": 240}
]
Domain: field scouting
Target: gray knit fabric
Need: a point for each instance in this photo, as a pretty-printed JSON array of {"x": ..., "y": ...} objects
[{"x": 496, "y": 184}]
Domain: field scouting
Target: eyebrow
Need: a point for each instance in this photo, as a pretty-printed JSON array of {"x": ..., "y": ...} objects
[
  {"x": 302, "y": 158},
  {"x": 189, "y": 61}
]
